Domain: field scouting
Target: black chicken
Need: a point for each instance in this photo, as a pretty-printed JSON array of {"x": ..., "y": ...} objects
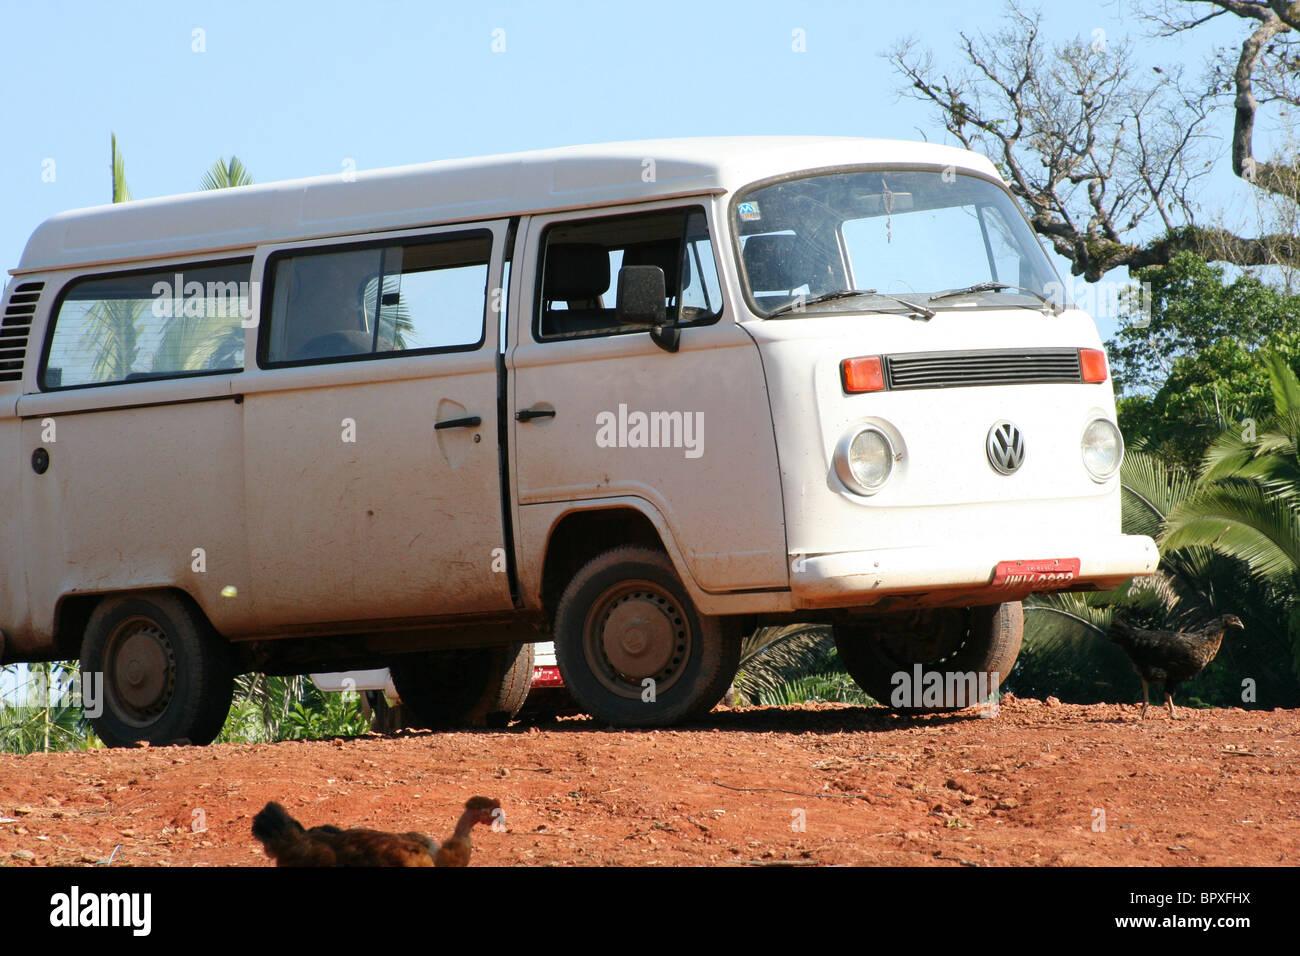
[{"x": 1171, "y": 657}]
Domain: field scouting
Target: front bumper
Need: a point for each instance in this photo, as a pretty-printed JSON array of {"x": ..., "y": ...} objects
[{"x": 962, "y": 573}]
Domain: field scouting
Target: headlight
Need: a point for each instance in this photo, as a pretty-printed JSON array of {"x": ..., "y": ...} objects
[
  {"x": 864, "y": 460},
  {"x": 1103, "y": 448}
]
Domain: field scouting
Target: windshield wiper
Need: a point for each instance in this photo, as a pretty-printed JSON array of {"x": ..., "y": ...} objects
[
  {"x": 970, "y": 290},
  {"x": 799, "y": 306},
  {"x": 993, "y": 287},
  {"x": 918, "y": 311}
]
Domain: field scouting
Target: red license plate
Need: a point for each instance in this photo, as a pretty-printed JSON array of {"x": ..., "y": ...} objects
[
  {"x": 1041, "y": 574},
  {"x": 547, "y": 675}
]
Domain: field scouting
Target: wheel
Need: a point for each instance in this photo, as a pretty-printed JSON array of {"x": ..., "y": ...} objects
[
  {"x": 964, "y": 646},
  {"x": 477, "y": 687},
  {"x": 166, "y": 676},
  {"x": 631, "y": 648}
]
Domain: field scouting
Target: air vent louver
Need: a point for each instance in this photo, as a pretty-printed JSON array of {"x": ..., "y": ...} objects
[
  {"x": 969, "y": 369},
  {"x": 16, "y": 327}
]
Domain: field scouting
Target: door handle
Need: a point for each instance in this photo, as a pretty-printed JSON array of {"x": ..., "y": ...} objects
[
  {"x": 528, "y": 414},
  {"x": 472, "y": 421}
]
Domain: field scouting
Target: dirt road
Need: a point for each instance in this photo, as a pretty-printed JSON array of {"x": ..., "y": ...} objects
[{"x": 1039, "y": 784}]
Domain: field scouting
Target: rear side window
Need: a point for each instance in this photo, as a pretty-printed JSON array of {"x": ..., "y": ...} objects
[
  {"x": 163, "y": 323},
  {"x": 581, "y": 262},
  {"x": 377, "y": 301}
]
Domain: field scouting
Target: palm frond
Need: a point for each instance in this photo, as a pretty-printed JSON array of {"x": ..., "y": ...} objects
[
  {"x": 121, "y": 191},
  {"x": 772, "y": 656},
  {"x": 1078, "y": 618},
  {"x": 827, "y": 687},
  {"x": 1271, "y": 458},
  {"x": 1066, "y": 652},
  {"x": 225, "y": 174},
  {"x": 1283, "y": 384},
  {"x": 1240, "y": 520},
  {"x": 1150, "y": 489},
  {"x": 112, "y": 334},
  {"x": 41, "y": 713},
  {"x": 194, "y": 343}
]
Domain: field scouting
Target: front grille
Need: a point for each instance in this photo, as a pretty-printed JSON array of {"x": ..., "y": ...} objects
[
  {"x": 969, "y": 369},
  {"x": 15, "y": 328}
]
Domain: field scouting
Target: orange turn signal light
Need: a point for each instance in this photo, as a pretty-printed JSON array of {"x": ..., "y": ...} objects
[
  {"x": 1092, "y": 363},
  {"x": 863, "y": 374}
]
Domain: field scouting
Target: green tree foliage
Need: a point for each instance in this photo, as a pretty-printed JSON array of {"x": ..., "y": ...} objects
[
  {"x": 40, "y": 712},
  {"x": 824, "y": 687},
  {"x": 268, "y": 708},
  {"x": 1247, "y": 503},
  {"x": 1197, "y": 368}
]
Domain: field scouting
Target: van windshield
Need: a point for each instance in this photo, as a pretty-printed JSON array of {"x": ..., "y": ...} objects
[{"x": 889, "y": 241}]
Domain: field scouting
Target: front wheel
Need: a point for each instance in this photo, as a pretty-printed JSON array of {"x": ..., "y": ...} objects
[
  {"x": 631, "y": 647},
  {"x": 936, "y": 660},
  {"x": 164, "y": 675}
]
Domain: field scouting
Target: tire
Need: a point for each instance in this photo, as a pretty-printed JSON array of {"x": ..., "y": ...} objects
[
  {"x": 477, "y": 687},
  {"x": 978, "y": 640},
  {"x": 167, "y": 676},
  {"x": 625, "y": 618}
]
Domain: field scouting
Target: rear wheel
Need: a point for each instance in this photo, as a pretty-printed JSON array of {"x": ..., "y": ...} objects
[
  {"x": 165, "y": 676},
  {"x": 964, "y": 647},
  {"x": 631, "y": 647},
  {"x": 477, "y": 687}
]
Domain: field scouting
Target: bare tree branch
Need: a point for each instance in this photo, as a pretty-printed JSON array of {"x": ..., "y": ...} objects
[
  {"x": 1093, "y": 151},
  {"x": 1268, "y": 55}
]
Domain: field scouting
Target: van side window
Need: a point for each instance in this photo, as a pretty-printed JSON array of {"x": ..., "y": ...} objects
[
  {"x": 165, "y": 323},
  {"x": 377, "y": 301},
  {"x": 580, "y": 267}
]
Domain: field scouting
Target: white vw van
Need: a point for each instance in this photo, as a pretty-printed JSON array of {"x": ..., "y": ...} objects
[{"x": 640, "y": 398}]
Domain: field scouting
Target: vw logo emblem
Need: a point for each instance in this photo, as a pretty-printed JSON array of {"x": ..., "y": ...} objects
[{"x": 1005, "y": 447}]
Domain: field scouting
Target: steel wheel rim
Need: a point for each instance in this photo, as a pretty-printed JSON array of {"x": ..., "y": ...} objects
[
  {"x": 139, "y": 671},
  {"x": 636, "y": 631},
  {"x": 895, "y": 647}
]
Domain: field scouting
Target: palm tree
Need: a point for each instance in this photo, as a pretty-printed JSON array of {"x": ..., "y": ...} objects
[
  {"x": 187, "y": 343},
  {"x": 1247, "y": 503},
  {"x": 192, "y": 343},
  {"x": 43, "y": 715},
  {"x": 112, "y": 333},
  {"x": 226, "y": 173},
  {"x": 792, "y": 664},
  {"x": 112, "y": 328},
  {"x": 1066, "y": 651},
  {"x": 261, "y": 707}
]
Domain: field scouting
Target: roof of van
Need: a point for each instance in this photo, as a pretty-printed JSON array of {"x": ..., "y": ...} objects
[{"x": 450, "y": 190}]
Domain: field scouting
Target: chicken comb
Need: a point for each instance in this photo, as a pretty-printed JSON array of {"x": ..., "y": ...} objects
[{"x": 482, "y": 803}]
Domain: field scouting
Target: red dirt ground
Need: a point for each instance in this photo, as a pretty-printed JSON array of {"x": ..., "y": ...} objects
[{"x": 1027, "y": 787}]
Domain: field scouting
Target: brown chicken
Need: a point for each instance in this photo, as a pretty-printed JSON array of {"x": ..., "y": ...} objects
[
  {"x": 1171, "y": 657},
  {"x": 289, "y": 844}
]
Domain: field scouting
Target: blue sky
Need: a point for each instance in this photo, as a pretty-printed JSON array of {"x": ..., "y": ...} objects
[{"x": 297, "y": 89}]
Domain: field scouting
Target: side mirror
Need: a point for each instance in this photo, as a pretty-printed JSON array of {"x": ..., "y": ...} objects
[{"x": 641, "y": 294}]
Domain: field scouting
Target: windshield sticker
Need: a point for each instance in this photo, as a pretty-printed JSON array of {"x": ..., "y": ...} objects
[{"x": 748, "y": 211}]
